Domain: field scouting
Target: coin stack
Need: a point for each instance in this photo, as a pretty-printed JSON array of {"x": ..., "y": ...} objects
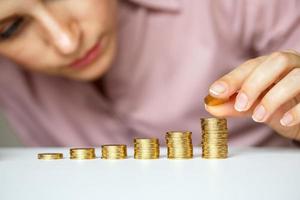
[
  {"x": 50, "y": 156},
  {"x": 214, "y": 138},
  {"x": 179, "y": 144},
  {"x": 82, "y": 153},
  {"x": 114, "y": 151},
  {"x": 146, "y": 148}
]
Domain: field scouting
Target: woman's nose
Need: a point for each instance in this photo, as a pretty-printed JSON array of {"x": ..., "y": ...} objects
[
  {"x": 66, "y": 38},
  {"x": 63, "y": 34}
]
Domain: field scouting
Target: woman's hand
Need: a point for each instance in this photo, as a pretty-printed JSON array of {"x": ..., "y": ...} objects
[{"x": 266, "y": 88}]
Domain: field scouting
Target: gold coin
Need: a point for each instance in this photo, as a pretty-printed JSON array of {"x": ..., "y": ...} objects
[
  {"x": 114, "y": 146},
  {"x": 215, "y": 150},
  {"x": 214, "y": 145},
  {"x": 213, "y": 120},
  {"x": 214, "y": 157},
  {"x": 215, "y": 132},
  {"x": 214, "y": 136},
  {"x": 146, "y": 140},
  {"x": 212, "y": 101},
  {"x": 50, "y": 156},
  {"x": 173, "y": 134},
  {"x": 209, "y": 149},
  {"x": 215, "y": 128},
  {"x": 213, "y": 140},
  {"x": 174, "y": 157}
]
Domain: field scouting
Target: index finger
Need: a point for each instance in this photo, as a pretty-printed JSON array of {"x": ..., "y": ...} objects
[{"x": 230, "y": 83}]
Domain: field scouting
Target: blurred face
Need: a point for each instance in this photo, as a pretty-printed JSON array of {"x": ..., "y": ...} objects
[{"x": 70, "y": 38}]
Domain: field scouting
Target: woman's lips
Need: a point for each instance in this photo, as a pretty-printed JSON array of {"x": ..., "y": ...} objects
[{"x": 88, "y": 58}]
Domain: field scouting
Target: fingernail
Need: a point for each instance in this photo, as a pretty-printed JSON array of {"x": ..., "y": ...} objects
[
  {"x": 259, "y": 114},
  {"x": 218, "y": 88},
  {"x": 241, "y": 102},
  {"x": 287, "y": 119}
]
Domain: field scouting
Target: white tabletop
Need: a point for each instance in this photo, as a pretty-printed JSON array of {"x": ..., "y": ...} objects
[{"x": 249, "y": 173}]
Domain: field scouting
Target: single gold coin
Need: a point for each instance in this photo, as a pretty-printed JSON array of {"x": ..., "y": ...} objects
[
  {"x": 214, "y": 156},
  {"x": 50, "y": 156},
  {"x": 212, "y": 101},
  {"x": 146, "y": 140},
  {"x": 212, "y": 123},
  {"x": 178, "y": 134},
  {"x": 211, "y": 138}
]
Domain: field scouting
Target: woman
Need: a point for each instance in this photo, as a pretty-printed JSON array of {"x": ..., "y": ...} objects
[{"x": 100, "y": 71}]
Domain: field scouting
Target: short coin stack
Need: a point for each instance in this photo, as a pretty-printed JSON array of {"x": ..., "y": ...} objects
[
  {"x": 214, "y": 138},
  {"x": 114, "y": 151},
  {"x": 82, "y": 153},
  {"x": 146, "y": 148},
  {"x": 179, "y": 144}
]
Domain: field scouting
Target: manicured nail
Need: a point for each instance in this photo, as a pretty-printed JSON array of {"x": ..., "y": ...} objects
[
  {"x": 218, "y": 88},
  {"x": 287, "y": 119},
  {"x": 241, "y": 102},
  {"x": 259, "y": 114}
]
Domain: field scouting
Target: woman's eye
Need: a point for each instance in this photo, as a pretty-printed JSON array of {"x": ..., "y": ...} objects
[{"x": 12, "y": 28}]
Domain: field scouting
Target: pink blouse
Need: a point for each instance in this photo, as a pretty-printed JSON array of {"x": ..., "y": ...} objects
[{"x": 170, "y": 51}]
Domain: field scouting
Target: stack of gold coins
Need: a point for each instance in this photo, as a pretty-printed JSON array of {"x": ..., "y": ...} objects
[
  {"x": 214, "y": 138},
  {"x": 179, "y": 144},
  {"x": 50, "y": 156},
  {"x": 82, "y": 153},
  {"x": 146, "y": 148},
  {"x": 114, "y": 151}
]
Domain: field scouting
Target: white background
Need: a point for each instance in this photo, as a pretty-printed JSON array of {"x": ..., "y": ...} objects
[{"x": 248, "y": 174}]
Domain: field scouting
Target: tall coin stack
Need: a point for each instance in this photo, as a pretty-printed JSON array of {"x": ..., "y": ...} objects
[
  {"x": 214, "y": 138},
  {"x": 114, "y": 151},
  {"x": 82, "y": 153},
  {"x": 146, "y": 148},
  {"x": 179, "y": 144}
]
